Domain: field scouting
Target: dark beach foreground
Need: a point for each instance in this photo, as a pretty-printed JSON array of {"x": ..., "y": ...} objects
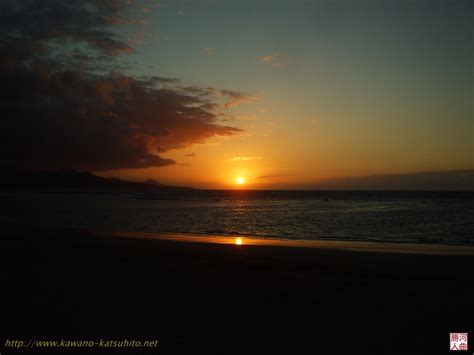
[{"x": 212, "y": 298}]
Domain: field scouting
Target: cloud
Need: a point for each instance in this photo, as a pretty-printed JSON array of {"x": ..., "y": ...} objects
[
  {"x": 209, "y": 50},
  {"x": 455, "y": 180},
  {"x": 230, "y": 118},
  {"x": 191, "y": 155},
  {"x": 270, "y": 58},
  {"x": 236, "y": 98},
  {"x": 41, "y": 25},
  {"x": 150, "y": 8},
  {"x": 139, "y": 37},
  {"x": 64, "y": 103},
  {"x": 115, "y": 20},
  {"x": 160, "y": 80},
  {"x": 236, "y": 159},
  {"x": 276, "y": 60}
]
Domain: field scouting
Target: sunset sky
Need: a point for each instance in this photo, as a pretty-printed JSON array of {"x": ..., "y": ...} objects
[{"x": 281, "y": 93}]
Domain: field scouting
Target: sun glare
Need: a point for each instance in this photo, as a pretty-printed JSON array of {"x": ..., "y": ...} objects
[
  {"x": 240, "y": 181},
  {"x": 238, "y": 241}
]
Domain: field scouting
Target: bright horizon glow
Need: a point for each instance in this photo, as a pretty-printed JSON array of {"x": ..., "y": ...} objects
[
  {"x": 238, "y": 241},
  {"x": 240, "y": 181}
]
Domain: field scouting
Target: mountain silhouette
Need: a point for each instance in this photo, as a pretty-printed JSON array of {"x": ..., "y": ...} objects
[{"x": 68, "y": 180}]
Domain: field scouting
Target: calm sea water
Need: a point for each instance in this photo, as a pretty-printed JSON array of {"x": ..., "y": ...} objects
[{"x": 369, "y": 216}]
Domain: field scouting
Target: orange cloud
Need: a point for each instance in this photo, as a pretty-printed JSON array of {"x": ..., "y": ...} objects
[
  {"x": 270, "y": 58},
  {"x": 276, "y": 60}
]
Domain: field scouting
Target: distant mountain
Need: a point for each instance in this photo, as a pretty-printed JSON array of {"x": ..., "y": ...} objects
[
  {"x": 65, "y": 180},
  {"x": 459, "y": 180},
  {"x": 152, "y": 182},
  {"x": 114, "y": 179}
]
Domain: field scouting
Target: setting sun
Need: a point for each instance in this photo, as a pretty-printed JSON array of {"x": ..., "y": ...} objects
[{"x": 240, "y": 181}]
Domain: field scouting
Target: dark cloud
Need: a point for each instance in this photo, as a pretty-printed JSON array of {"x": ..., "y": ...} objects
[
  {"x": 52, "y": 22},
  {"x": 457, "y": 180},
  {"x": 63, "y": 105},
  {"x": 236, "y": 98},
  {"x": 191, "y": 155},
  {"x": 159, "y": 80}
]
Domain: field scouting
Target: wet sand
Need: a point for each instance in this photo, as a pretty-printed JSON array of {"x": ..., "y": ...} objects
[{"x": 210, "y": 296}]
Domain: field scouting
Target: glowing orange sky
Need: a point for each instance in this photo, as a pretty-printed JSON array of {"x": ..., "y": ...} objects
[{"x": 334, "y": 92}]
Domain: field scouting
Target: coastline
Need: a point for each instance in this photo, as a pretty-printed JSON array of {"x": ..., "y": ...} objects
[
  {"x": 214, "y": 298},
  {"x": 364, "y": 246}
]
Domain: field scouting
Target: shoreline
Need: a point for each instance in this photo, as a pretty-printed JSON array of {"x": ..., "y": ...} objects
[
  {"x": 269, "y": 241},
  {"x": 366, "y": 246}
]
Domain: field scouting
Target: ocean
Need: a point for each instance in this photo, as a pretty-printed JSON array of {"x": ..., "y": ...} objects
[{"x": 426, "y": 217}]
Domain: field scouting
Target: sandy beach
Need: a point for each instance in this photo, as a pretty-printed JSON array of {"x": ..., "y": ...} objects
[{"x": 210, "y": 296}]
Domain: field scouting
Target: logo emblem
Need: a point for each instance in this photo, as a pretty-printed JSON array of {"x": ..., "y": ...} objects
[{"x": 458, "y": 341}]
